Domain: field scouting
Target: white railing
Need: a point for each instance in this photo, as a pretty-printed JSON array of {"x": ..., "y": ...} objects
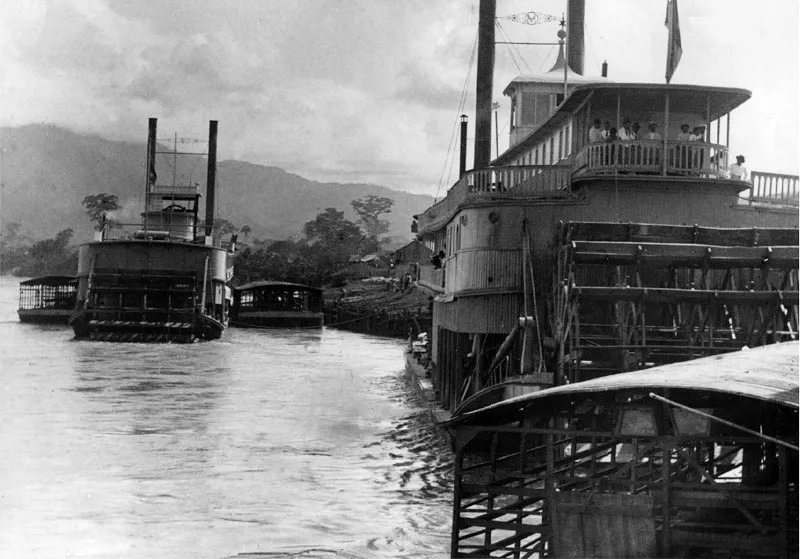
[
  {"x": 519, "y": 179},
  {"x": 647, "y": 157},
  {"x": 774, "y": 188},
  {"x": 516, "y": 180},
  {"x": 117, "y": 231}
]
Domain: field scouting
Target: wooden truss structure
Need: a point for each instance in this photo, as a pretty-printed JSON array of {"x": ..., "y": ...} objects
[
  {"x": 631, "y": 296},
  {"x": 577, "y": 477}
]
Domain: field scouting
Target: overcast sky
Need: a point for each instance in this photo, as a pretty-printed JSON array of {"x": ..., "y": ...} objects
[{"x": 365, "y": 90}]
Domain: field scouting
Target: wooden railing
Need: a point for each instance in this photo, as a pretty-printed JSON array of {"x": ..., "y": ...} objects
[
  {"x": 430, "y": 277},
  {"x": 774, "y": 188},
  {"x": 641, "y": 157},
  {"x": 647, "y": 157},
  {"x": 517, "y": 180}
]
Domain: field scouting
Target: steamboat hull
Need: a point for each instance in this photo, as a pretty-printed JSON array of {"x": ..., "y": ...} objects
[{"x": 150, "y": 291}]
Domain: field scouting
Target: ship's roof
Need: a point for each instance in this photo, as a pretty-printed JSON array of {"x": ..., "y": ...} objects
[
  {"x": 709, "y": 102},
  {"x": 268, "y": 283},
  {"x": 555, "y": 75},
  {"x": 767, "y": 373},
  {"x": 49, "y": 280}
]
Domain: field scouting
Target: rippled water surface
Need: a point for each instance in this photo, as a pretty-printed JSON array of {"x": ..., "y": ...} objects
[{"x": 265, "y": 442}]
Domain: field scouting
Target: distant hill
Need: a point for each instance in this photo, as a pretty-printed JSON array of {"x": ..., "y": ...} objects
[{"x": 46, "y": 171}]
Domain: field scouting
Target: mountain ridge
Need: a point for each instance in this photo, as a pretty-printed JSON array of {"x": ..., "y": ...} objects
[{"x": 47, "y": 170}]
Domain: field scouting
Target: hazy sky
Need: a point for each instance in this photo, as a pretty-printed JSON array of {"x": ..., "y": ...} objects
[{"x": 365, "y": 90}]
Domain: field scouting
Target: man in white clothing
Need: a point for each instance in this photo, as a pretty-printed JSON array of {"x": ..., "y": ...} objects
[
  {"x": 738, "y": 170},
  {"x": 684, "y": 135},
  {"x": 651, "y": 133},
  {"x": 596, "y": 132}
]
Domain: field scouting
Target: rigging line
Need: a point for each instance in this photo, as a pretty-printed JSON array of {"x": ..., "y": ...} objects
[
  {"x": 535, "y": 307},
  {"x": 723, "y": 421},
  {"x": 588, "y": 35},
  {"x": 515, "y": 47},
  {"x": 546, "y": 58},
  {"x": 508, "y": 46},
  {"x": 456, "y": 121}
]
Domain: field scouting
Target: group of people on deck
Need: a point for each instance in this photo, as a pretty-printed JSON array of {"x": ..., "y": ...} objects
[
  {"x": 629, "y": 131},
  {"x": 632, "y": 131}
]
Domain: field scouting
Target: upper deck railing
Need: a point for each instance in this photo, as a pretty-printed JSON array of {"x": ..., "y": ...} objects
[
  {"x": 117, "y": 231},
  {"x": 652, "y": 157},
  {"x": 646, "y": 158},
  {"x": 499, "y": 182}
]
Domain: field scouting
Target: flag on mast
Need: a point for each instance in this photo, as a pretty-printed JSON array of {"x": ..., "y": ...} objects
[{"x": 674, "y": 50}]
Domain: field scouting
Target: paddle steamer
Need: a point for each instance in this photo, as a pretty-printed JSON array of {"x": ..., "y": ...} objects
[
  {"x": 566, "y": 266},
  {"x": 163, "y": 279}
]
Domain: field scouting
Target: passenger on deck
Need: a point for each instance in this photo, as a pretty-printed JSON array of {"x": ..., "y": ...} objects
[
  {"x": 738, "y": 170},
  {"x": 684, "y": 135},
  {"x": 626, "y": 132},
  {"x": 596, "y": 132},
  {"x": 612, "y": 135},
  {"x": 606, "y": 130},
  {"x": 437, "y": 259},
  {"x": 636, "y": 128},
  {"x": 651, "y": 133},
  {"x": 698, "y": 134}
]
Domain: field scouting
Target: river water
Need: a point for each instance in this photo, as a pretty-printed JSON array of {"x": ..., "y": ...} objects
[{"x": 270, "y": 443}]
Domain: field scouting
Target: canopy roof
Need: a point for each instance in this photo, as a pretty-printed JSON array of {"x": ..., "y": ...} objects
[
  {"x": 554, "y": 75},
  {"x": 49, "y": 280},
  {"x": 276, "y": 284},
  {"x": 707, "y": 102},
  {"x": 768, "y": 373}
]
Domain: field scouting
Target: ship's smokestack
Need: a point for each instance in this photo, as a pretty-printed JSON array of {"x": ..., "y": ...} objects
[
  {"x": 485, "y": 85},
  {"x": 605, "y": 69},
  {"x": 462, "y": 166},
  {"x": 150, "y": 180},
  {"x": 212, "y": 175},
  {"x": 152, "y": 125},
  {"x": 576, "y": 10}
]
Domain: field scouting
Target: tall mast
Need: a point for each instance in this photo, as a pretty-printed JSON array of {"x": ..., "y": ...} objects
[{"x": 485, "y": 84}]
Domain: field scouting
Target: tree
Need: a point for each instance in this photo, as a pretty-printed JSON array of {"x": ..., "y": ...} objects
[
  {"x": 334, "y": 237},
  {"x": 223, "y": 226},
  {"x": 369, "y": 209},
  {"x": 246, "y": 232},
  {"x": 98, "y": 205},
  {"x": 52, "y": 248}
]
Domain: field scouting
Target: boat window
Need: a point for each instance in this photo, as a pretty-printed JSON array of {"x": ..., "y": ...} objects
[
  {"x": 560, "y": 145},
  {"x": 513, "y": 112}
]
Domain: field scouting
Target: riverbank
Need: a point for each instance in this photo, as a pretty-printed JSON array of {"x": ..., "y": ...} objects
[{"x": 378, "y": 306}]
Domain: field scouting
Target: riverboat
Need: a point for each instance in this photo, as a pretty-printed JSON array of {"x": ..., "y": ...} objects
[
  {"x": 565, "y": 259},
  {"x": 47, "y": 300},
  {"x": 276, "y": 304},
  {"x": 163, "y": 279},
  {"x": 575, "y": 277}
]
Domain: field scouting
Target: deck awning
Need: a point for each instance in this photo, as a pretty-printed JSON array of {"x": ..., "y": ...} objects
[
  {"x": 266, "y": 284},
  {"x": 768, "y": 373},
  {"x": 635, "y": 98}
]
